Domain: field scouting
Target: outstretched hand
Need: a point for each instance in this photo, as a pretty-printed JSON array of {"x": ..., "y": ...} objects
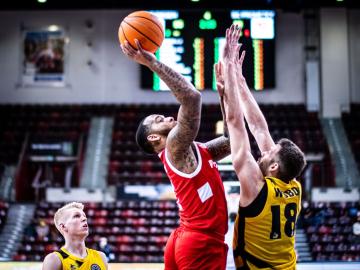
[
  {"x": 239, "y": 65},
  {"x": 232, "y": 47},
  {"x": 139, "y": 55}
]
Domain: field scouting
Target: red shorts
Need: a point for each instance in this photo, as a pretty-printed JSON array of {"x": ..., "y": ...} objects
[{"x": 194, "y": 250}]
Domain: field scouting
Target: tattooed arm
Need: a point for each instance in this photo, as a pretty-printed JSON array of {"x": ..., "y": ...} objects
[
  {"x": 219, "y": 147},
  {"x": 188, "y": 120}
]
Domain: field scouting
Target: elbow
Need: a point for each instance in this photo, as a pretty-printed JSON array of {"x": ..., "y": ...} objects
[
  {"x": 239, "y": 159},
  {"x": 259, "y": 130},
  {"x": 230, "y": 119},
  {"x": 233, "y": 118},
  {"x": 236, "y": 160},
  {"x": 194, "y": 97}
]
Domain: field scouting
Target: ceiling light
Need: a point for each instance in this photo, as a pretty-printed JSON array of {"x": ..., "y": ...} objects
[{"x": 53, "y": 28}]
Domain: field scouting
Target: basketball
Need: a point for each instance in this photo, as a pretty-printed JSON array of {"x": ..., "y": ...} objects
[{"x": 143, "y": 26}]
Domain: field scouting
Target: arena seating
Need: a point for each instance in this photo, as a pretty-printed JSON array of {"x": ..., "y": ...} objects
[
  {"x": 351, "y": 123},
  {"x": 136, "y": 230},
  {"x": 40, "y": 124},
  {"x": 129, "y": 165},
  {"x": 11, "y": 135},
  {"x": 330, "y": 232}
]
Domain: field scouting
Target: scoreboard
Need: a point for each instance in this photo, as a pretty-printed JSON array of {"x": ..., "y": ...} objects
[{"x": 194, "y": 40}]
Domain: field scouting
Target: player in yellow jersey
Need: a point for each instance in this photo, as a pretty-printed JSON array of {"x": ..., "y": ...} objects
[
  {"x": 270, "y": 196},
  {"x": 71, "y": 222}
]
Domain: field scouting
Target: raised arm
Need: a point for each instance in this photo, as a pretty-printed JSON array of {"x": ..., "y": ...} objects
[
  {"x": 247, "y": 170},
  {"x": 253, "y": 115},
  {"x": 188, "y": 119},
  {"x": 220, "y": 86},
  {"x": 220, "y": 147}
]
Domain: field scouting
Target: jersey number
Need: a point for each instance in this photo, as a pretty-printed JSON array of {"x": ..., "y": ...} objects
[{"x": 290, "y": 212}]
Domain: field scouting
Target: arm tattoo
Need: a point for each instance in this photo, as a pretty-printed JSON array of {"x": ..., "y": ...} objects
[
  {"x": 188, "y": 119},
  {"x": 178, "y": 85},
  {"x": 219, "y": 148}
]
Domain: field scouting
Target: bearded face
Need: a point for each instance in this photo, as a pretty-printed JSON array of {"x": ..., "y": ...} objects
[
  {"x": 267, "y": 159},
  {"x": 264, "y": 165}
]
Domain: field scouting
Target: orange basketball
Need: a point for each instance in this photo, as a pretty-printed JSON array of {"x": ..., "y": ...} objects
[{"x": 143, "y": 26}]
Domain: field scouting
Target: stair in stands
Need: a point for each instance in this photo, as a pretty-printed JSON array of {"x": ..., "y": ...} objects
[
  {"x": 347, "y": 174},
  {"x": 7, "y": 183},
  {"x": 95, "y": 171},
  {"x": 302, "y": 246},
  {"x": 19, "y": 216}
]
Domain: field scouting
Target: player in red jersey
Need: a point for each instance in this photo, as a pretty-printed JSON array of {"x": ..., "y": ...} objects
[{"x": 198, "y": 243}]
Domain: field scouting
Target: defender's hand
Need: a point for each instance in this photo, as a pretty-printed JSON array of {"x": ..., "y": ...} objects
[
  {"x": 220, "y": 86},
  {"x": 239, "y": 66},
  {"x": 232, "y": 47}
]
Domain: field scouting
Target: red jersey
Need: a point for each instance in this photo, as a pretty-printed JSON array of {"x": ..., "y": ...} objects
[{"x": 200, "y": 195}]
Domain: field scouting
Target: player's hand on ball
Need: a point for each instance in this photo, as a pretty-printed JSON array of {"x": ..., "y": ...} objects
[{"x": 139, "y": 55}]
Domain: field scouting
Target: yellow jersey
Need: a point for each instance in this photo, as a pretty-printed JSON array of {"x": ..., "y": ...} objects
[
  {"x": 93, "y": 260},
  {"x": 264, "y": 231}
]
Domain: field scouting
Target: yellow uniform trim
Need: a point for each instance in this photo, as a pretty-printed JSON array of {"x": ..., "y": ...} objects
[{"x": 93, "y": 260}]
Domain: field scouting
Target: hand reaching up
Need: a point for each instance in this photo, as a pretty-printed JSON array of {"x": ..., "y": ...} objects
[
  {"x": 232, "y": 47},
  {"x": 219, "y": 78},
  {"x": 239, "y": 65}
]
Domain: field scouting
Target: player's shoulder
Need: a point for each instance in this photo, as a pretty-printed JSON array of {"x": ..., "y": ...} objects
[
  {"x": 103, "y": 256},
  {"x": 53, "y": 256},
  {"x": 95, "y": 251},
  {"x": 296, "y": 183},
  {"x": 52, "y": 261}
]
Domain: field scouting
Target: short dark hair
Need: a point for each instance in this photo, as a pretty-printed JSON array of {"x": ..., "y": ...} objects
[
  {"x": 291, "y": 160},
  {"x": 141, "y": 138}
]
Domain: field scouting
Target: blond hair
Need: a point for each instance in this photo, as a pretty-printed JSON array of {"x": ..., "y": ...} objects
[{"x": 60, "y": 212}]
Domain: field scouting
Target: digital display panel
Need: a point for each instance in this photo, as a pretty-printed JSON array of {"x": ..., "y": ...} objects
[{"x": 194, "y": 41}]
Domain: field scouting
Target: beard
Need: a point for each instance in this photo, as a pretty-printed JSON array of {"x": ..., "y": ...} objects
[
  {"x": 164, "y": 131},
  {"x": 263, "y": 165}
]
